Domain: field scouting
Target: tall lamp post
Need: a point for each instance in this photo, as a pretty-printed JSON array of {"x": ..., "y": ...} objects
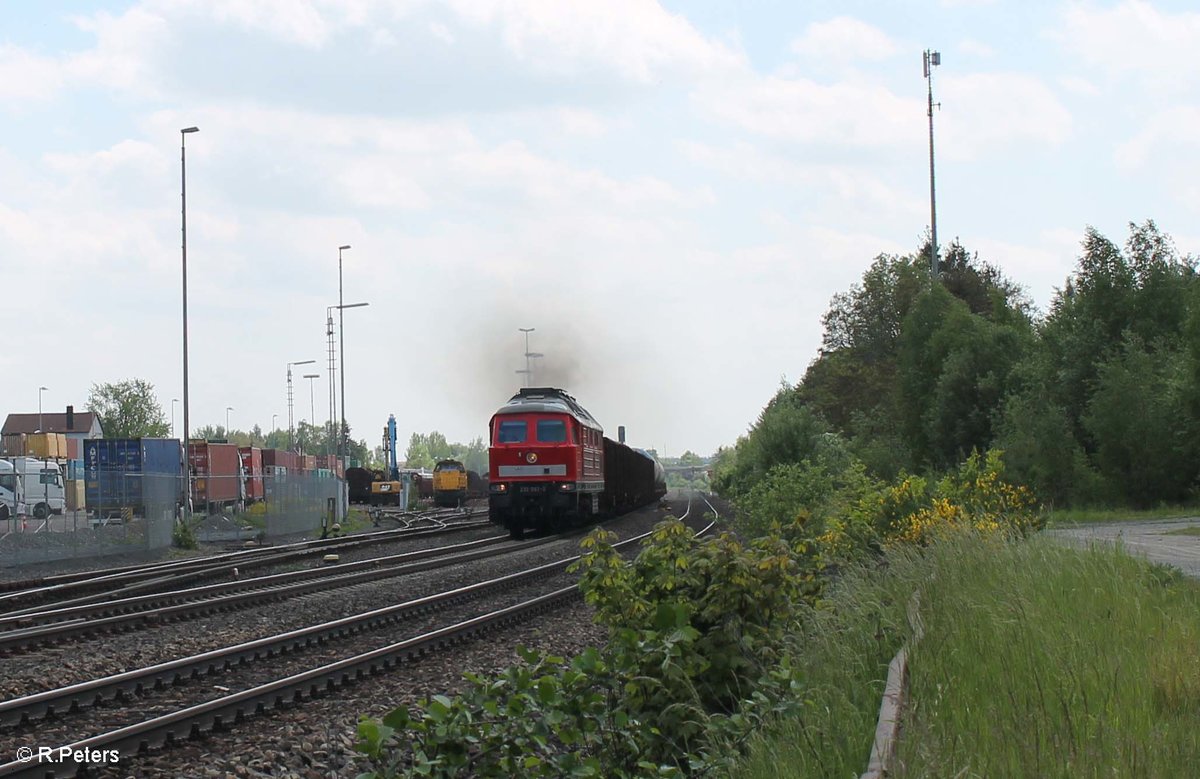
[
  {"x": 291, "y": 445},
  {"x": 341, "y": 436},
  {"x": 273, "y": 417},
  {"x": 312, "y": 403},
  {"x": 227, "y": 410},
  {"x": 41, "y": 429},
  {"x": 173, "y": 402},
  {"x": 342, "y": 349},
  {"x": 183, "y": 225},
  {"x": 931, "y": 60}
]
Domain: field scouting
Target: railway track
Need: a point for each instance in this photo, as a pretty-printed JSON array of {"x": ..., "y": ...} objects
[
  {"x": 119, "y": 582},
  {"x": 37, "y": 628},
  {"x": 186, "y": 720}
]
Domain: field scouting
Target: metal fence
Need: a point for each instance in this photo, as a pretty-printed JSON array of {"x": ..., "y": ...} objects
[
  {"x": 290, "y": 504},
  {"x": 141, "y": 525},
  {"x": 135, "y": 515}
]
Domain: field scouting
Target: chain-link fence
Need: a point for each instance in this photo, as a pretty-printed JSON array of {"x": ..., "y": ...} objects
[
  {"x": 135, "y": 514},
  {"x": 132, "y": 513},
  {"x": 289, "y": 503}
]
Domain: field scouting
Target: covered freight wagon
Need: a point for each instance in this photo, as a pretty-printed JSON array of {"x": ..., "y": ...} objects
[
  {"x": 216, "y": 476},
  {"x": 128, "y": 476}
]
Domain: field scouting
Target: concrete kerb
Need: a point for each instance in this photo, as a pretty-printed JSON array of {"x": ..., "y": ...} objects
[{"x": 887, "y": 728}]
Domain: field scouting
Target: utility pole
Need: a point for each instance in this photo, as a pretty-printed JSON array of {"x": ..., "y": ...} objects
[
  {"x": 931, "y": 60},
  {"x": 528, "y": 355}
]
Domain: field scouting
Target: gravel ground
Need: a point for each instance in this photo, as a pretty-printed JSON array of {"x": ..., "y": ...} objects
[
  {"x": 91, "y": 658},
  {"x": 390, "y": 546},
  {"x": 315, "y": 739}
]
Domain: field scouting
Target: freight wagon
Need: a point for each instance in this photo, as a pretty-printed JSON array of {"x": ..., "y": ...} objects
[
  {"x": 124, "y": 476},
  {"x": 216, "y": 476}
]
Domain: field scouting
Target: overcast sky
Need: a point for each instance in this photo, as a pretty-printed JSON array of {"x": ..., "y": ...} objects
[{"x": 670, "y": 193}]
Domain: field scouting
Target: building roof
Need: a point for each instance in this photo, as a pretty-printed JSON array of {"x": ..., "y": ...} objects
[{"x": 51, "y": 423}]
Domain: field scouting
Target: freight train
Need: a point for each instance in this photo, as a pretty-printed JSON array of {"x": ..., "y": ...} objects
[{"x": 552, "y": 467}]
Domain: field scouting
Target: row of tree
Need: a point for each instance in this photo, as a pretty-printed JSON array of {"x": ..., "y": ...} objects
[
  {"x": 1095, "y": 402},
  {"x": 130, "y": 409}
]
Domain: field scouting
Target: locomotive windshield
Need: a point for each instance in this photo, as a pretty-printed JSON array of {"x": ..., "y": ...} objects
[
  {"x": 551, "y": 431},
  {"x": 511, "y": 431}
]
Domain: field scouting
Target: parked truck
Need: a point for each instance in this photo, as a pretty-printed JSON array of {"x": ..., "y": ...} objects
[
  {"x": 12, "y": 501},
  {"x": 122, "y": 476},
  {"x": 42, "y": 481}
]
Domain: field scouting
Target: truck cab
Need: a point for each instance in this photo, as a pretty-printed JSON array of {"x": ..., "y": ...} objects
[
  {"x": 12, "y": 500},
  {"x": 43, "y": 486}
]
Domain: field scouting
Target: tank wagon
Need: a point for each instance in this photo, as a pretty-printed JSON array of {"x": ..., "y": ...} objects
[
  {"x": 552, "y": 467},
  {"x": 449, "y": 483}
]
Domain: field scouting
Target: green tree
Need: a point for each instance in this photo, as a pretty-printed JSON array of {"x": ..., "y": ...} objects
[{"x": 128, "y": 409}]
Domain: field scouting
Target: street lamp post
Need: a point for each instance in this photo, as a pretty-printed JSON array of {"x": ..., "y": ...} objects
[
  {"x": 41, "y": 428},
  {"x": 931, "y": 60},
  {"x": 342, "y": 443},
  {"x": 291, "y": 445},
  {"x": 342, "y": 349},
  {"x": 173, "y": 402},
  {"x": 312, "y": 403},
  {"x": 183, "y": 230}
]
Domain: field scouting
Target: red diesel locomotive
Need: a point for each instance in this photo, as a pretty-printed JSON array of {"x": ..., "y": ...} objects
[{"x": 551, "y": 466}]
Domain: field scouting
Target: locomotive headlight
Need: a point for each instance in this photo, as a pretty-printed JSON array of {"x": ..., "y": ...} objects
[
  {"x": 501, "y": 487},
  {"x": 567, "y": 486}
]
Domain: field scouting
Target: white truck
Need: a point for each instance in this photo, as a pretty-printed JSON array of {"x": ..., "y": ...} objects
[
  {"x": 42, "y": 486},
  {"x": 12, "y": 501}
]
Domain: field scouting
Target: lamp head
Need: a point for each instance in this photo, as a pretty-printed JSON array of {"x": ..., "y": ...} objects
[{"x": 190, "y": 130}]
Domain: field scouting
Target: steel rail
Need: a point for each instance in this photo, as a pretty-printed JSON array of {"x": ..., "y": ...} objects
[
  {"x": 198, "y": 567},
  {"x": 229, "y": 596},
  {"x": 232, "y": 709}
]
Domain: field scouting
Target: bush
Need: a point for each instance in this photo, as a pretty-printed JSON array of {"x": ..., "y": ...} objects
[{"x": 694, "y": 664}]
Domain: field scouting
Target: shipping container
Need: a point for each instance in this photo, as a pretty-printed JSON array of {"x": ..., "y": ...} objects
[
  {"x": 216, "y": 476},
  {"x": 279, "y": 458},
  {"x": 252, "y": 472},
  {"x": 308, "y": 462},
  {"x": 116, "y": 471},
  {"x": 75, "y": 449},
  {"x": 43, "y": 446}
]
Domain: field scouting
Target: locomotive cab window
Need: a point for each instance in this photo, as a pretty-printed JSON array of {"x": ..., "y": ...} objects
[
  {"x": 511, "y": 431},
  {"x": 551, "y": 431}
]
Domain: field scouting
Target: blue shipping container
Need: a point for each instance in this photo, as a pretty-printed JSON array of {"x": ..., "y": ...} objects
[{"x": 115, "y": 470}]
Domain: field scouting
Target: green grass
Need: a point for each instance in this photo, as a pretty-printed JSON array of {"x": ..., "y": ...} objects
[
  {"x": 1060, "y": 517},
  {"x": 1184, "y": 531},
  {"x": 1041, "y": 660},
  {"x": 844, "y": 650}
]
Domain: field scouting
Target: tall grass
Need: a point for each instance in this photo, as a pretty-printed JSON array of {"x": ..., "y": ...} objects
[
  {"x": 844, "y": 649},
  {"x": 1040, "y": 660}
]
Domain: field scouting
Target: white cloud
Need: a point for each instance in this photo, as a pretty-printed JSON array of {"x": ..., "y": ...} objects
[
  {"x": 1162, "y": 137},
  {"x": 25, "y": 76},
  {"x": 844, "y": 39},
  {"x": 975, "y": 48},
  {"x": 845, "y": 114},
  {"x": 986, "y": 111},
  {"x": 1134, "y": 38},
  {"x": 637, "y": 38},
  {"x": 1078, "y": 85}
]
